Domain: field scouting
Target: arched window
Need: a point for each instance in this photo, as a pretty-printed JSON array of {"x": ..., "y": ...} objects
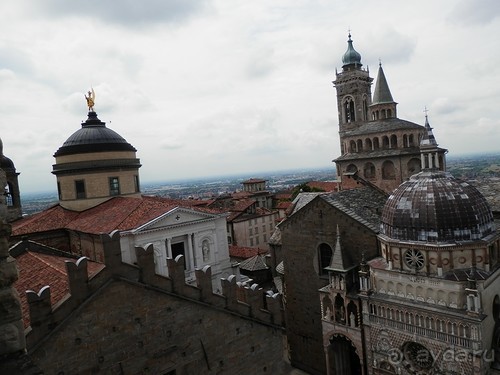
[
  {"x": 413, "y": 166},
  {"x": 411, "y": 141},
  {"x": 385, "y": 141},
  {"x": 405, "y": 140},
  {"x": 351, "y": 168},
  {"x": 9, "y": 197},
  {"x": 383, "y": 114},
  {"x": 349, "y": 110},
  {"x": 394, "y": 141},
  {"x": 352, "y": 314},
  {"x": 339, "y": 309},
  {"x": 388, "y": 171},
  {"x": 352, "y": 146},
  {"x": 360, "y": 145},
  {"x": 376, "y": 145},
  {"x": 389, "y": 113},
  {"x": 324, "y": 258},
  {"x": 369, "y": 171},
  {"x": 368, "y": 144}
]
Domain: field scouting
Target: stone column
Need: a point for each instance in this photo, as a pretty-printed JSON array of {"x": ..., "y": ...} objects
[
  {"x": 169, "y": 248},
  {"x": 191, "y": 252}
]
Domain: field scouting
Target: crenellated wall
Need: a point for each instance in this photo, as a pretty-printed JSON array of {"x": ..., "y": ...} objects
[{"x": 128, "y": 318}]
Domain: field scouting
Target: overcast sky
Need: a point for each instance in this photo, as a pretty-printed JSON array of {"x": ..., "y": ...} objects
[{"x": 214, "y": 87}]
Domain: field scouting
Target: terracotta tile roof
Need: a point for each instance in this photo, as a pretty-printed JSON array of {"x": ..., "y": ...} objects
[
  {"x": 119, "y": 213},
  {"x": 326, "y": 186},
  {"x": 241, "y": 195},
  {"x": 239, "y": 208},
  {"x": 244, "y": 252},
  {"x": 262, "y": 211},
  {"x": 52, "y": 218},
  {"x": 283, "y": 205},
  {"x": 283, "y": 196},
  {"x": 37, "y": 270}
]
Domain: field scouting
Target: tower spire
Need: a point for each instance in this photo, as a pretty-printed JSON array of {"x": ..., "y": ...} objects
[
  {"x": 383, "y": 105},
  {"x": 382, "y": 93}
]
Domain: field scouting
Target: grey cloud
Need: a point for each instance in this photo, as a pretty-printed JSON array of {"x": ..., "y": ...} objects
[
  {"x": 390, "y": 46},
  {"x": 127, "y": 12},
  {"x": 16, "y": 61},
  {"x": 472, "y": 12}
]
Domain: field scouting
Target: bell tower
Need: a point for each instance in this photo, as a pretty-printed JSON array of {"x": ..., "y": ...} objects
[{"x": 353, "y": 85}]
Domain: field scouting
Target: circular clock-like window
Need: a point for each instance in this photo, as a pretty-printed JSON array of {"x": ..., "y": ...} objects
[
  {"x": 418, "y": 356},
  {"x": 414, "y": 258}
]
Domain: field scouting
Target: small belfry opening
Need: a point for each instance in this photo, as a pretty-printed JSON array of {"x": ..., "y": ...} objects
[{"x": 349, "y": 110}]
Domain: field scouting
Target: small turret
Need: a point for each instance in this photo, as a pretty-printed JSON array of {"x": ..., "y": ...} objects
[{"x": 431, "y": 156}]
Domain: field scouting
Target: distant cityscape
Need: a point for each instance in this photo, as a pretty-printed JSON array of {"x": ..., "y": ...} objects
[{"x": 482, "y": 170}]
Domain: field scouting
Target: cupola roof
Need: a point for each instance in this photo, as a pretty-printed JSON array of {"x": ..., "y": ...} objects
[
  {"x": 351, "y": 56},
  {"x": 432, "y": 206},
  {"x": 5, "y": 162},
  {"x": 94, "y": 136}
]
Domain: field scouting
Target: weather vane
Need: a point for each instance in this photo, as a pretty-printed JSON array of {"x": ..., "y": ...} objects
[{"x": 90, "y": 100}]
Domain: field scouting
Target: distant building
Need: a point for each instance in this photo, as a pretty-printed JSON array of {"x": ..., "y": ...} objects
[{"x": 376, "y": 146}]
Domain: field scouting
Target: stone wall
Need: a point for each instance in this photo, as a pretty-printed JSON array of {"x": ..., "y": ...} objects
[
  {"x": 301, "y": 235},
  {"x": 131, "y": 329},
  {"x": 129, "y": 320}
]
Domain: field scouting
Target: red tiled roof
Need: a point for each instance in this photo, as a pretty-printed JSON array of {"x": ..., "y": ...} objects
[
  {"x": 283, "y": 205},
  {"x": 326, "y": 186},
  {"x": 263, "y": 211},
  {"x": 52, "y": 218},
  {"x": 37, "y": 270},
  {"x": 239, "y": 208},
  {"x": 283, "y": 196},
  {"x": 119, "y": 213},
  {"x": 245, "y": 252},
  {"x": 241, "y": 194}
]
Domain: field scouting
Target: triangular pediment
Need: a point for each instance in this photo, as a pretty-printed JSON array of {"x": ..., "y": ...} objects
[{"x": 176, "y": 217}]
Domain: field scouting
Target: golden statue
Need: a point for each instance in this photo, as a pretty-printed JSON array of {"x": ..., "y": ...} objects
[{"x": 90, "y": 100}]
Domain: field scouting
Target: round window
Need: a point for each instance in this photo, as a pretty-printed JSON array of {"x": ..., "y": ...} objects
[
  {"x": 418, "y": 356},
  {"x": 414, "y": 259}
]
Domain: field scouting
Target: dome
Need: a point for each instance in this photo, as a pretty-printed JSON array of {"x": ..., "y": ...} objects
[
  {"x": 6, "y": 163},
  {"x": 435, "y": 207},
  {"x": 94, "y": 136},
  {"x": 351, "y": 56}
]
